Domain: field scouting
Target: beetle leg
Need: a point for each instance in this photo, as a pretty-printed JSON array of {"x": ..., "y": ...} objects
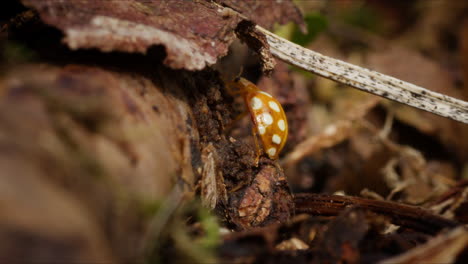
[{"x": 232, "y": 89}]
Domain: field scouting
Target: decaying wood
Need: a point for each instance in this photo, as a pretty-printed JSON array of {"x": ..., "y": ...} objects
[
  {"x": 98, "y": 141},
  {"x": 212, "y": 186},
  {"x": 400, "y": 214},
  {"x": 139, "y": 139},
  {"x": 135, "y": 26},
  {"x": 265, "y": 201},
  {"x": 111, "y": 141}
]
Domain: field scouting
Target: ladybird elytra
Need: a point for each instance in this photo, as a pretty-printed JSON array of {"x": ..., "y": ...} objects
[{"x": 267, "y": 114}]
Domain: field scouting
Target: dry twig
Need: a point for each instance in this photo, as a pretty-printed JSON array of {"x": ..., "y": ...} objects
[
  {"x": 399, "y": 214},
  {"x": 366, "y": 80}
]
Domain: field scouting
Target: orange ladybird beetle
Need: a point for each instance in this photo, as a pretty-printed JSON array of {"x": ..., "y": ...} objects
[{"x": 267, "y": 115}]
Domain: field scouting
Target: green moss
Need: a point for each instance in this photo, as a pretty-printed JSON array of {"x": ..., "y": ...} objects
[
  {"x": 362, "y": 16},
  {"x": 209, "y": 223},
  {"x": 316, "y": 24},
  {"x": 180, "y": 241}
]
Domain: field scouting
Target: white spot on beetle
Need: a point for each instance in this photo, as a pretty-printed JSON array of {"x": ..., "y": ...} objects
[
  {"x": 271, "y": 152},
  {"x": 256, "y": 103},
  {"x": 261, "y": 129},
  {"x": 276, "y": 139},
  {"x": 274, "y": 106},
  {"x": 281, "y": 125},
  {"x": 265, "y": 118}
]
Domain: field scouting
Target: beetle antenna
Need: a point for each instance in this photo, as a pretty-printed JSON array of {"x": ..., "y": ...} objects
[{"x": 239, "y": 74}]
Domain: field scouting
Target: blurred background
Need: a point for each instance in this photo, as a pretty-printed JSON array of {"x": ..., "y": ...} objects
[{"x": 389, "y": 144}]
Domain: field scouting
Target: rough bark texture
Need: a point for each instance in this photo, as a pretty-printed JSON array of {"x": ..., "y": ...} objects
[
  {"x": 92, "y": 143},
  {"x": 194, "y": 33},
  {"x": 99, "y": 143}
]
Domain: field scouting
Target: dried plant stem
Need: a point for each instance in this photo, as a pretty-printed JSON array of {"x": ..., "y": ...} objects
[{"x": 366, "y": 80}]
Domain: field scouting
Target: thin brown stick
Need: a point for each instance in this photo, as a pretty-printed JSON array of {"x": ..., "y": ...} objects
[{"x": 399, "y": 214}]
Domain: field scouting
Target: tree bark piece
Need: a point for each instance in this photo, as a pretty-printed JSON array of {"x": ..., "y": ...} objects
[
  {"x": 105, "y": 146},
  {"x": 194, "y": 33}
]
